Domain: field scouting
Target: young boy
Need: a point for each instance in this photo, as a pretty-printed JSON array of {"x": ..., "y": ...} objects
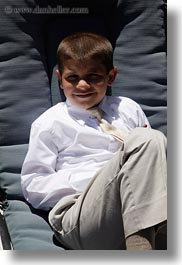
[{"x": 105, "y": 191}]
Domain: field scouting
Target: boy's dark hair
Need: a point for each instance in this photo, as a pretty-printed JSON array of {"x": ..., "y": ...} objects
[{"x": 83, "y": 46}]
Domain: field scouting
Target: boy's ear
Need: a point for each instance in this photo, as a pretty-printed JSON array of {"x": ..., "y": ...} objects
[
  {"x": 59, "y": 77},
  {"x": 112, "y": 75}
]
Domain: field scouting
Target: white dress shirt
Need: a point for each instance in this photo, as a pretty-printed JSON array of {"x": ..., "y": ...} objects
[{"x": 67, "y": 148}]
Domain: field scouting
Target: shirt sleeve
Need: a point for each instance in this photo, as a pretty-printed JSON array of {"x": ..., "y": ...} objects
[
  {"x": 42, "y": 185},
  {"x": 133, "y": 114},
  {"x": 142, "y": 119}
]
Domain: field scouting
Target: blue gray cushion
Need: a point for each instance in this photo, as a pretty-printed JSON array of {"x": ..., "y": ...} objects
[
  {"x": 140, "y": 54},
  {"x": 28, "y": 44},
  {"x": 24, "y": 90},
  {"x": 12, "y": 158},
  {"x": 29, "y": 229}
]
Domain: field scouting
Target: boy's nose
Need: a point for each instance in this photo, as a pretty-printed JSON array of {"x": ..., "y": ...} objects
[{"x": 83, "y": 84}]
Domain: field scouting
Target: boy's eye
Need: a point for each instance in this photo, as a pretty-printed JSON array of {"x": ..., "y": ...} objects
[
  {"x": 72, "y": 78},
  {"x": 93, "y": 78}
]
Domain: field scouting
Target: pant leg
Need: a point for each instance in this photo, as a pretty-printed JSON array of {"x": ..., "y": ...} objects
[
  {"x": 144, "y": 175},
  {"x": 127, "y": 195},
  {"x": 76, "y": 219}
]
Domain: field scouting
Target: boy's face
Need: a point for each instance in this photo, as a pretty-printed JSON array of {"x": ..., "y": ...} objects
[{"x": 85, "y": 84}]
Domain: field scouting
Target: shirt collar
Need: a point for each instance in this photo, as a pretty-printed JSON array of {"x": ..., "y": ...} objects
[
  {"x": 107, "y": 107},
  {"x": 82, "y": 115}
]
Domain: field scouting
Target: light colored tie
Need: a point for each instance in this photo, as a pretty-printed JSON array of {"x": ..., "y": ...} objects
[{"x": 106, "y": 127}]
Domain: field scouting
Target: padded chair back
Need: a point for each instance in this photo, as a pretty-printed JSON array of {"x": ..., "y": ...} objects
[{"x": 28, "y": 85}]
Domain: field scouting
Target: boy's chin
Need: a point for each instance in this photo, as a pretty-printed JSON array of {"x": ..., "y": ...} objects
[{"x": 87, "y": 105}]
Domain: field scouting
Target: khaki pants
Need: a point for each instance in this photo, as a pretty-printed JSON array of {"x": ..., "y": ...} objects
[{"x": 129, "y": 194}]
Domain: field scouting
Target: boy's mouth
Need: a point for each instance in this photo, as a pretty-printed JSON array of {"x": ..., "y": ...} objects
[{"x": 84, "y": 95}]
